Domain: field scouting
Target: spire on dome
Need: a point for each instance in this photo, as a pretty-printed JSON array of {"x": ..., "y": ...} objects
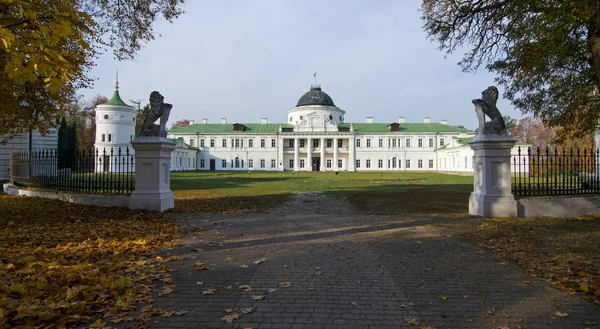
[{"x": 116, "y": 98}]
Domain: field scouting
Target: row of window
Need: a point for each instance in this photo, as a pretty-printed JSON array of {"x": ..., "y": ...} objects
[
  {"x": 111, "y": 137},
  {"x": 395, "y": 142},
  {"x": 239, "y": 142},
  {"x": 393, "y": 163}
]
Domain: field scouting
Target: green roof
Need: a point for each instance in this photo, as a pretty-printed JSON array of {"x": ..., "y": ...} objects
[
  {"x": 215, "y": 128},
  {"x": 271, "y": 128},
  {"x": 406, "y": 127},
  {"x": 116, "y": 99}
]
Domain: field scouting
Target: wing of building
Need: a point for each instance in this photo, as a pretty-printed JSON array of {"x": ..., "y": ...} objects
[{"x": 315, "y": 137}]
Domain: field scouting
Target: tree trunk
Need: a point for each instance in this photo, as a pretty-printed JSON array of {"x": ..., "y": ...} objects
[{"x": 594, "y": 41}]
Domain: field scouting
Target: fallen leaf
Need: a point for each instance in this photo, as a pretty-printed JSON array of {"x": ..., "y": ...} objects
[
  {"x": 180, "y": 313},
  {"x": 271, "y": 290},
  {"x": 228, "y": 287},
  {"x": 318, "y": 273},
  {"x": 259, "y": 261},
  {"x": 244, "y": 266},
  {"x": 258, "y": 297},
  {"x": 230, "y": 318},
  {"x": 199, "y": 282},
  {"x": 98, "y": 324},
  {"x": 311, "y": 289},
  {"x": 165, "y": 291},
  {"x": 353, "y": 303},
  {"x": 247, "y": 310},
  {"x": 444, "y": 298},
  {"x": 285, "y": 284},
  {"x": 561, "y": 314},
  {"x": 412, "y": 321},
  {"x": 211, "y": 291},
  {"x": 245, "y": 288},
  {"x": 229, "y": 310},
  {"x": 167, "y": 314}
]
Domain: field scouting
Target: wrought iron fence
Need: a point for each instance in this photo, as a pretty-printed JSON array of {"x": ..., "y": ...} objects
[
  {"x": 108, "y": 171},
  {"x": 555, "y": 171}
]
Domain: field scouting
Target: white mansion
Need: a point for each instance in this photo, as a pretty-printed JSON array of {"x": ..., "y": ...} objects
[{"x": 316, "y": 138}]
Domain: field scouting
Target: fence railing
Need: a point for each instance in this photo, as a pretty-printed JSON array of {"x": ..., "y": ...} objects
[
  {"x": 554, "y": 171},
  {"x": 110, "y": 170}
]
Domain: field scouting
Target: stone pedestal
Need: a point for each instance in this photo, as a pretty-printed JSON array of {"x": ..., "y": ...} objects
[
  {"x": 492, "y": 195},
  {"x": 152, "y": 174}
]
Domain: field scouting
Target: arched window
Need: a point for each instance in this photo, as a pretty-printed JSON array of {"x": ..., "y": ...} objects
[{"x": 237, "y": 162}]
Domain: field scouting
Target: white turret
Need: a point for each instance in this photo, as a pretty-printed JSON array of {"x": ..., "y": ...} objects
[{"x": 115, "y": 128}]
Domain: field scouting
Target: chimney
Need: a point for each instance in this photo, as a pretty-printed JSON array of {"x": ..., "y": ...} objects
[
  {"x": 427, "y": 120},
  {"x": 204, "y": 121},
  {"x": 191, "y": 122},
  {"x": 401, "y": 120},
  {"x": 444, "y": 122},
  {"x": 264, "y": 121},
  {"x": 369, "y": 120},
  {"x": 223, "y": 121}
]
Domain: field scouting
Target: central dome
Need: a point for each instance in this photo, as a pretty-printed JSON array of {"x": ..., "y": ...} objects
[{"x": 315, "y": 97}]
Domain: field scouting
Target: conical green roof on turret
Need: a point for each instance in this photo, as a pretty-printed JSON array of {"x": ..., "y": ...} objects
[{"x": 116, "y": 98}]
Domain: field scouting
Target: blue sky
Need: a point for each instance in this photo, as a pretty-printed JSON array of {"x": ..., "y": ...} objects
[{"x": 245, "y": 60}]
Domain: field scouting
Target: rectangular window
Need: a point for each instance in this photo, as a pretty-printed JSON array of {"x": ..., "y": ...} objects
[
  {"x": 273, "y": 143},
  {"x": 273, "y": 163},
  {"x": 407, "y": 163},
  {"x": 380, "y": 142},
  {"x": 328, "y": 163},
  {"x": 441, "y": 142},
  {"x": 212, "y": 142},
  {"x": 250, "y": 163},
  {"x": 224, "y": 163},
  {"x": 358, "y": 143},
  {"x": 368, "y": 163},
  {"x": 262, "y": 143},
  {"x": 430, "y": 163},
  {"x": 328, "y": 142},
  {"x": 104, "y": 137},
  {"x": 357, "y": 163},
  {"x": 224, "y": 142},
  {"x": 394, "y": 143},
  {"x": 340, "y": 142},
  {"x": 302, "y": 143},
  {"x": 340, "y": 163},
  {"x": 420, "y": 142},
  {"x": 380, "y": 163},
  {"x": 291, "y": 163},
  {"x": 301, "y": 163},
  {"x": 202, "y": 142},
  {"x": 407, "y": 142},
  {"x": 192, "y": 142},
  {"x": 201, "y": 163},
  {"x": 431, "y": 142},
  {"x": 262, "y": 163},
  {"x": 419, "y": 163},
  {"x": 465, "y": 162},
  {"x": 399, "y": 163},
  {"x": 237, "y": 142},
  {"x": 109, "y": 138},
  {"x": 368, "y": 142},
  {"x": 315, "y": 143},
  {"x": 242, "y": 143},
  {"x": 251, "y": 143},
  {"x": 290, "y": 143}
]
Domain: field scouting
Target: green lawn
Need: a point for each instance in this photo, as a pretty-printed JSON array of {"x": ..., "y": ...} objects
[{"x": 372, "y": 192}]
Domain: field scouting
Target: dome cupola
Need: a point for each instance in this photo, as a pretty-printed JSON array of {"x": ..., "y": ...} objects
[{"x": 315, "y": 97}]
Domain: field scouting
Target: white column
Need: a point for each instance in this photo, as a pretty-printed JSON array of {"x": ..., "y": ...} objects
[
  {"x": 335, "y": 154},
  {"x": 309, "y": 154},
  {"x": 322, "y": 154},
  {"x": 351, "y": 157},
  {"x": 296, "y": 153},
  {"x": 279, "y": 163}
]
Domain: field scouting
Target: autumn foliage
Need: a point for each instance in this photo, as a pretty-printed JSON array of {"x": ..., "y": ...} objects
[{"x": 62, "y": 264}]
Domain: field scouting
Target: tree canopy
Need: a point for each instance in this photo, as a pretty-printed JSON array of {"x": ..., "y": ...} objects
[
  {"x": 546, "y": 53},
  {"x": 48, "y": 47}
]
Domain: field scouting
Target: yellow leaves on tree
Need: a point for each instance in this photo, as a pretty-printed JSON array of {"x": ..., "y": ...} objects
[
  {"x": 62, "y": 263},
  {"x": 48, "y": 47}
]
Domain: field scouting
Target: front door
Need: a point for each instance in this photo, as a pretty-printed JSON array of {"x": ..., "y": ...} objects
[
  {"x": 316, "y": 164},
  {"x": 212, "y": 164}
]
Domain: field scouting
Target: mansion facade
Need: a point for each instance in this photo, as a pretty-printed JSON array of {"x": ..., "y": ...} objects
[{"x": 316, "y": 138}]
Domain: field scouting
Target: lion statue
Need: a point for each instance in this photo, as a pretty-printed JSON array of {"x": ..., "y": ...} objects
[
  {"x": 158, "y": 110},
  {"x": 487, "y": 106}
]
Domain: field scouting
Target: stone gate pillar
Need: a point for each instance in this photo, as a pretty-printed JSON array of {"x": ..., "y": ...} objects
[
  {"x": 492, "y": 194},
  {"x": 152, "y": 174}
]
